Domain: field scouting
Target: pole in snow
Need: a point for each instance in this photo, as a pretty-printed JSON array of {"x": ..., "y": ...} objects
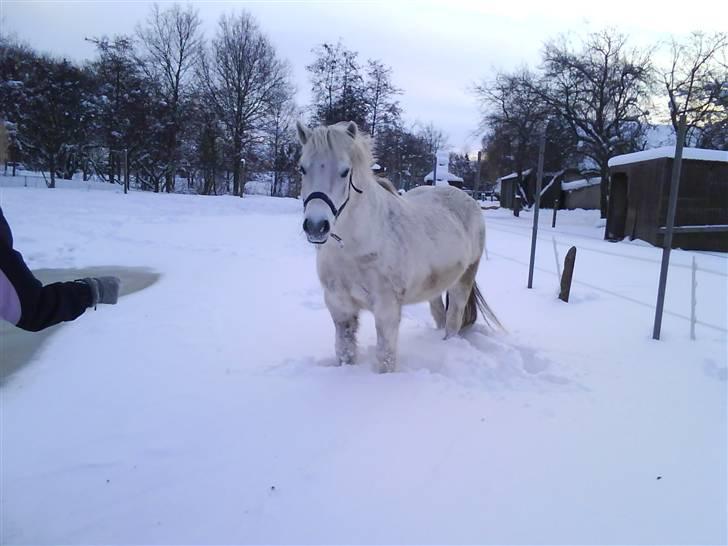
[
  {"x": 539, "y": 176},
  {"x": 694, "y": 285},
  {"x": 670, "y": 224}
]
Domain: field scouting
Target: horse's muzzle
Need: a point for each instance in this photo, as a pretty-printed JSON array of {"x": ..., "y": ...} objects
[{"x": 317, "y": 231}]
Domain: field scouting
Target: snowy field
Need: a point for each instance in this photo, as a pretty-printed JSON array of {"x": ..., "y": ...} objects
[{"x": 204, "y": 409}]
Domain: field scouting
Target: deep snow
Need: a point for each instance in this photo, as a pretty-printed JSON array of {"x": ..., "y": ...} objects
[{"x": 204, "y": 409}]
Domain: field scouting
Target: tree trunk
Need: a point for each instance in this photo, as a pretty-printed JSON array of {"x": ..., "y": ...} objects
[
  {"x": 236, "y": 179},
  {"x": 169, "y": 182},
  {"x": 52, "y": 165},
  {"x": 111, "y": 167}
]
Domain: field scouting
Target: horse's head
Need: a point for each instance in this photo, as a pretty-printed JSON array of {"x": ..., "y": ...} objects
[{"x": 328, "y": 160}]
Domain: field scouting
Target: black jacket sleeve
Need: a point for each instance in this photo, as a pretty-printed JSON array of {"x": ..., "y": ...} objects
[{"x": 41, "y": 306}]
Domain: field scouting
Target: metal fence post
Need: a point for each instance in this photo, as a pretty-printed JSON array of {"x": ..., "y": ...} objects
[
  {"x": 539, "y": 176},
  {"x": 694, "y": 286},
  {"x": 667, "y": 242}
]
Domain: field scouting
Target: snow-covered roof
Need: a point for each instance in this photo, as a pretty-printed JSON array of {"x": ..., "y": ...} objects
[
  {"x": 450, "y": 177},
  {"x": 515, "y": 175},
  {"x": 579, "y": 184},
  {"x": 697, "y": 154}
]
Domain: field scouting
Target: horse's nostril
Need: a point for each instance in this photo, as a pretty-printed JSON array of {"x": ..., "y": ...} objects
[
  {"x": 325, "y": 227},
  {"x": 305, "y": 225}
]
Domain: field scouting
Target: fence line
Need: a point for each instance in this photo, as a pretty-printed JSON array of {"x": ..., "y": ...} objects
[
  {"x": 617, "y": 295},
  {"x": 30, "y": 181},
  {"x": 616, "y": 254}
]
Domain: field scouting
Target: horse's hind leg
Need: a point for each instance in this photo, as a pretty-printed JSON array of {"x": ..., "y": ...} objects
[
  {"x": 438, "y": 312},
  {"x": 459, "y": 294}
]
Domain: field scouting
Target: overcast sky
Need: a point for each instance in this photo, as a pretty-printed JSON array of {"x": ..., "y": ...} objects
[{"x": 436, "y": 49}]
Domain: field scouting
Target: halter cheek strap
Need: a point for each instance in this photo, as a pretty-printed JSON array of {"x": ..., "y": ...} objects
[{"x": 326, "y": 199}]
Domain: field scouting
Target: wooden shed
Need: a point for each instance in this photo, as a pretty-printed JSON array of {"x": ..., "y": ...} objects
[{"x": 640, "y": 188}]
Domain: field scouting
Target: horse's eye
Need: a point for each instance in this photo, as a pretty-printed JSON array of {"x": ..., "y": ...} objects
[
  {"x": 303, "y": 171},
  {"x": 345, "y": 173}
]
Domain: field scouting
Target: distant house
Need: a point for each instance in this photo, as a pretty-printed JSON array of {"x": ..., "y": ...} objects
[
  {"x": 444, "y": 176},
  {"x": 640, "y": 189}
]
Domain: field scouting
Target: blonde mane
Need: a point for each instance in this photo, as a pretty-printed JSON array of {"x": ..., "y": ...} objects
[
  {"x": 359, "y": 149},
  {"x": 337, "y": 138}
]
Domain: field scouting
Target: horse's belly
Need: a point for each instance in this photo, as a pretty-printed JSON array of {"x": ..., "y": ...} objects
[{"x": 432, "y": 285}]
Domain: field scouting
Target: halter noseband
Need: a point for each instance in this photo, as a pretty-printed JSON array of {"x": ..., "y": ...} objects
[{"x": 326, "y": 199}]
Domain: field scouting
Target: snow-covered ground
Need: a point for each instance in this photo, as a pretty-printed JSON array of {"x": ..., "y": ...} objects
[{"x": 204, "y": 409}]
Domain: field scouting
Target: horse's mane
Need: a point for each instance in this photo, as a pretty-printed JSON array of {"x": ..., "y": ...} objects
[
  {"x": 335, "y": 136},
  {"x": 387, "y": 185}
]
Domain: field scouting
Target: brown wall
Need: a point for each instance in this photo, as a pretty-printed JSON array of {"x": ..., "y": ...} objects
[
  {"x": 583, "y": 198},
  {"x": 702, "y": 199}
]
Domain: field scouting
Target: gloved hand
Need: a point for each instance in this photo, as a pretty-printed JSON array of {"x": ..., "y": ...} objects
[{"x": 103, "y": 289}]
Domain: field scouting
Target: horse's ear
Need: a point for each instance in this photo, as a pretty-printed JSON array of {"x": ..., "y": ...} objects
[
  {"x": 303, "y": 132},
  {"x": 351, "y": 129}
]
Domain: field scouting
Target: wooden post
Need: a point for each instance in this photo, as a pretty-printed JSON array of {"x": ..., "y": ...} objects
[
  {"x": 556, "y": 207},
  {"x": 242, "y": 176},
  {"x": 534, "y": 233},
  {"x": 126, "y": 171},
  {"x": 434, "y": 170},
  {"x": 694, "y": 286},
  {"x": 476, "y": 183},
  {"x": 568, "y": 274},
  {"x": 667, "y": 242}
]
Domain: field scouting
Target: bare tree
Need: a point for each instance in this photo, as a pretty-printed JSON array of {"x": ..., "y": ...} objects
[
  {"x": 280, "y": 136},
  {"x": 696, "y": 81},
  {"x": 514, "y": 113},
  {"x": 601, "y": 91},
  {"x": 379, "y": 94},
  {"x": 171, "y": 43},
  {"x": 337, "y": 85},
  {"x": 241, "y": 76},
  {"x": 431, "y": 137}
]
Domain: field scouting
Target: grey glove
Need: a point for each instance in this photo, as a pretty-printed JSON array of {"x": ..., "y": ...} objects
[{"x": 103, "y": 289}]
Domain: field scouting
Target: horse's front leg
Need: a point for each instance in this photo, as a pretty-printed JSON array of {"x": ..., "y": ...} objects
[
  {"x": 387, "y": 315},
  {"x": 346, "y": 322},
  {"x": 346, "y": 339}
]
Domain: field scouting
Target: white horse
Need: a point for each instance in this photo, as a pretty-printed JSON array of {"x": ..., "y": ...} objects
[{"x": 378, "y": 250}]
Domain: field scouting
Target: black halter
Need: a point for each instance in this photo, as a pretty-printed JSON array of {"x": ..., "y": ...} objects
[{"x": 326, "y": 199}]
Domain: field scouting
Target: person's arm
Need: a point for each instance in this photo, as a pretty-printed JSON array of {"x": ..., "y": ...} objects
[{"x": 25, "y": 302}]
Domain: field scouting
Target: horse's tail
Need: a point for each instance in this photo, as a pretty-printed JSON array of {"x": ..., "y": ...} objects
[{"x": 476, "y": 302}]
